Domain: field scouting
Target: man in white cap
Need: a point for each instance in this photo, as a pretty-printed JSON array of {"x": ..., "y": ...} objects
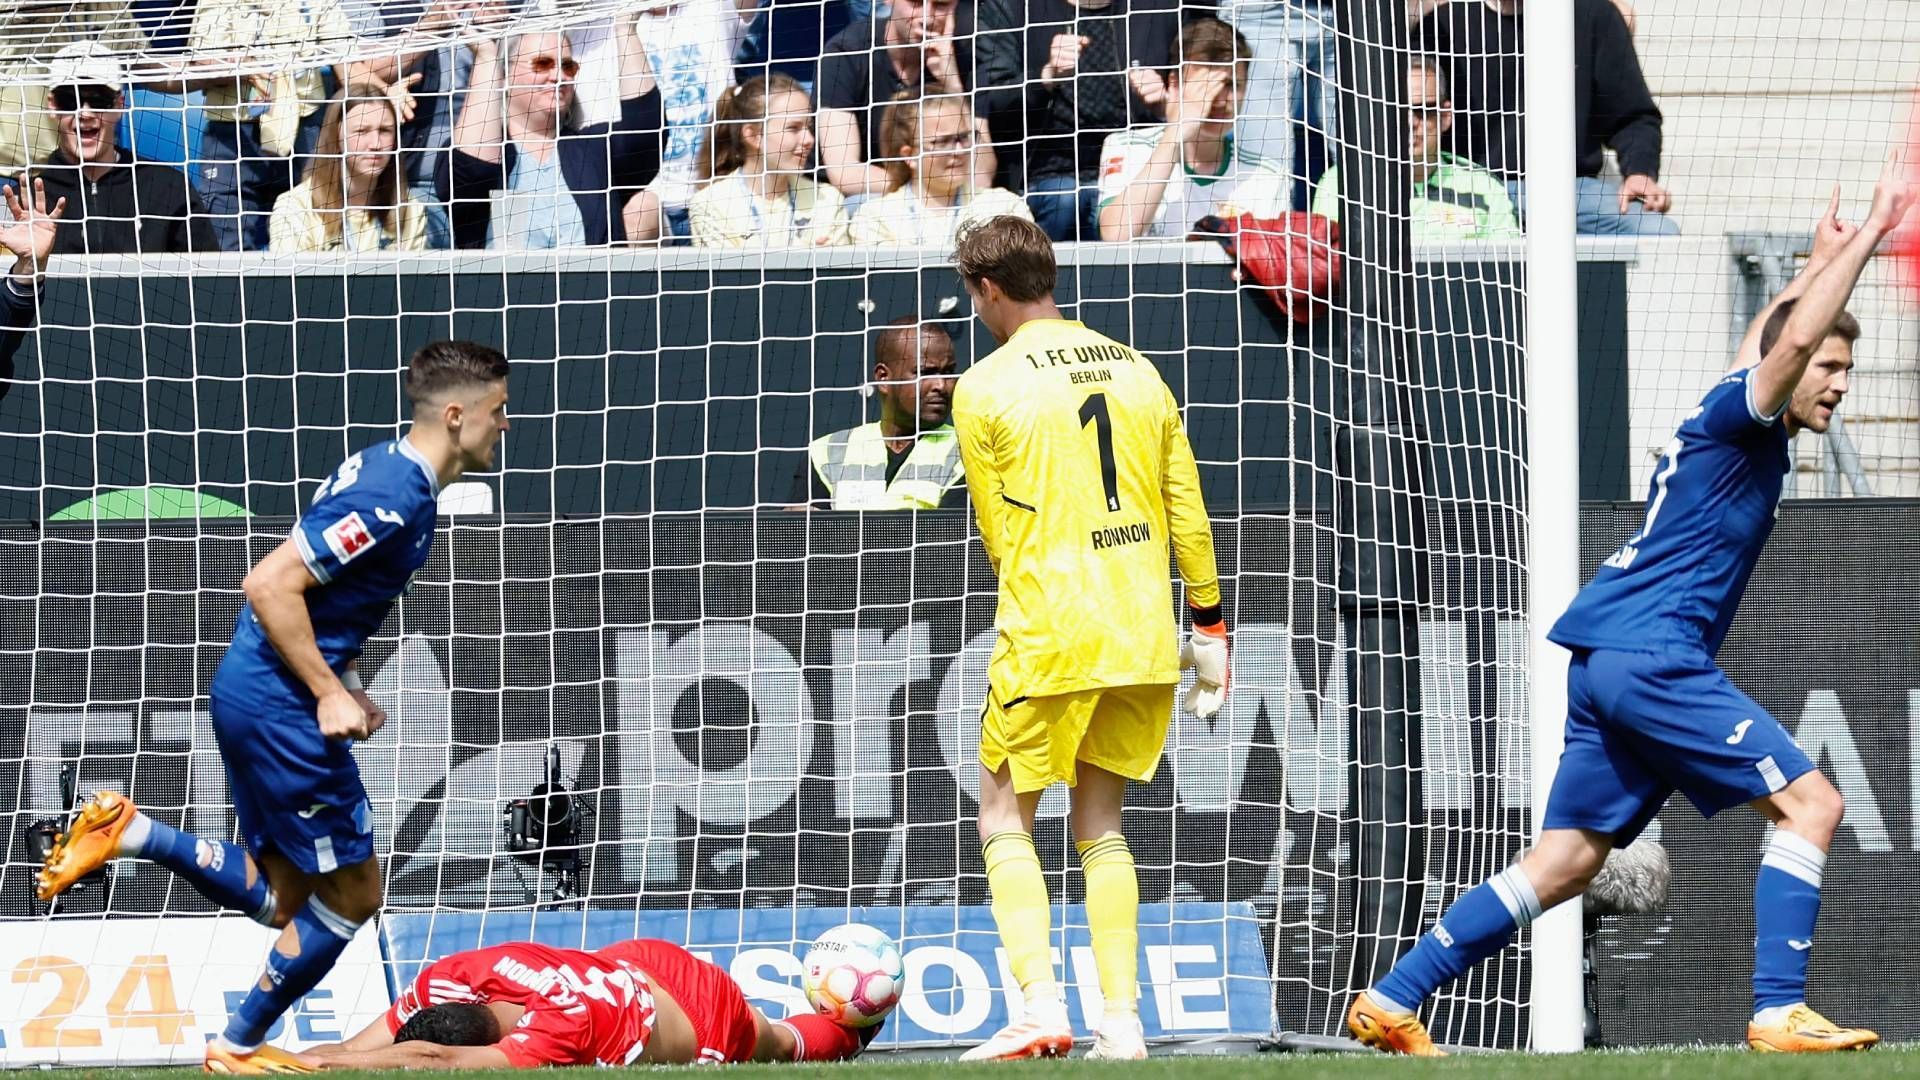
[
  {"x": 114, "y": 204},
  {"x": 29, "y": 31}
]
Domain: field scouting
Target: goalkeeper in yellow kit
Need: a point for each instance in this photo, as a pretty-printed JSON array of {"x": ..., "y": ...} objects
[{"x": 1080, "y": 474}]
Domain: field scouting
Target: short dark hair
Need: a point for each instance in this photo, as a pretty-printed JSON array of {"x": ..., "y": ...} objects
[
  {"x": 1846, "y": 327},
  {"x": 1207, "y": 40},
  {"x": 457, "y": 1023},
  {"x": 1012, "y": 252},
  {"x": 900, "y": 340},
  {"x": 441, "y": 367}
]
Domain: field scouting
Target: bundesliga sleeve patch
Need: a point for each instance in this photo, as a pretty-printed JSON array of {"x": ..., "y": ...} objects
[{"x": 348, "y": 537}]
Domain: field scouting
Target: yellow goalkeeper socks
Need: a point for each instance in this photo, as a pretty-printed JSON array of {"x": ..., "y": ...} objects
[
  {"x": 1020, "y": 910},
  {"x": 1113, "y": 918}
]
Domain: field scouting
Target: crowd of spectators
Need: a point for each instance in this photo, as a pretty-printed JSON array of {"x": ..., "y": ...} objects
[{"x": 704, "y": 122}]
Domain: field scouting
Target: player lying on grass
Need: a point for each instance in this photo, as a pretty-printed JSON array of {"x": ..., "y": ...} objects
[
  {"x": 287, "y": 703},
  {"x": 526, "y": 1005},
  {"x": 1649, "y": 711}
]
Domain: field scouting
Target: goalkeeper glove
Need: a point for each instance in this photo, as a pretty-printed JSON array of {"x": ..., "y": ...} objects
[{"x": 1205, "y": 652}]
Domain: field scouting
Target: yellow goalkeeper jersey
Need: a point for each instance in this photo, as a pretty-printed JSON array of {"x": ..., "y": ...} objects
[{"x": 1081, "y": 474}]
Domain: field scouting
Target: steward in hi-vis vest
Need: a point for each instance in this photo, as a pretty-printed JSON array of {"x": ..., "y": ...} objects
[{"x": 909, "y": 459}]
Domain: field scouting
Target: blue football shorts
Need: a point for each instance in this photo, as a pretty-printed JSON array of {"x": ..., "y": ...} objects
[
  {"x": 1643, "y": 725},
  {"x": 294, "y": 791}
]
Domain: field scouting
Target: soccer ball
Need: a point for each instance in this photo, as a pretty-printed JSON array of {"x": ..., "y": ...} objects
[{"x": 853, "y": 975}]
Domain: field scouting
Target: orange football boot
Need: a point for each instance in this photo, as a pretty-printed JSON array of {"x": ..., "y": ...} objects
[
  {"x": 1386, "y": 1032},
  {"x": 88, "y": 844},
  {"x": 1807, "y": 1032}
]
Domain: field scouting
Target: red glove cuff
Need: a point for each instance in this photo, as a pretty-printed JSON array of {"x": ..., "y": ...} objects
[{"x": 817, "y": 1038}]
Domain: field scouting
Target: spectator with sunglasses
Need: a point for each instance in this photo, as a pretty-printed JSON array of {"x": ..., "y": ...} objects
[
  {"x": 1452, "y": 198},
  {"x": 27, "y": 28},
  {"x": 115, "y": 205},
  {"x": 522, "y": 173}
]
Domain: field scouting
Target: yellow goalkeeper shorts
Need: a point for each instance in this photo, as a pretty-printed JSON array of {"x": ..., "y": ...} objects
[{"x": 1121, "y": 729}]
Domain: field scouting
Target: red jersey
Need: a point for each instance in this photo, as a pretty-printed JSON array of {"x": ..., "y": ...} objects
[
  {"x": 723, "y": 1022},
  {"x": 582, "y": 1008}
]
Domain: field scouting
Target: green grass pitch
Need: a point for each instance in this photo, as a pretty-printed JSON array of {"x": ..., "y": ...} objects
[{"x": 1717, "y": 1064}]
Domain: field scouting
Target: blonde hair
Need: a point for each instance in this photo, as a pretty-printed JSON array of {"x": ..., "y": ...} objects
[
  {"x": 326, "y": 173},
  {"x": 900, "y": 127},
  {"x": 1011, "y": 252},
  {"x": 725, "y": 149}
]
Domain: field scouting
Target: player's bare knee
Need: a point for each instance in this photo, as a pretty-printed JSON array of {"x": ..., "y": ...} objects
[
  {"x": 1817, "y": 811},
  {"x": 362, "y": 902},
  {"x": 352, "y": 892},
  {"x": 281, "y": 913},
  {"x": 1092, "y": 823},
  {"x": 1809, "y": 808},
  {"x": 1563, "y": 864},
  {"x": 1560, "y": 882}
]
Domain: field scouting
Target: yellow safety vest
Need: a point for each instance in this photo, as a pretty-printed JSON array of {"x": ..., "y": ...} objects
[{"x": 853, "y": 466}]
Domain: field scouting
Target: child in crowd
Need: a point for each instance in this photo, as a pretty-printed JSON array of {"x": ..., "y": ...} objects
[{"x": 760, "y": 191}]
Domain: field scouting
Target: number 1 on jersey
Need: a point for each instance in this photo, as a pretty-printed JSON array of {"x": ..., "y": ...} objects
[{"x": 1094, "y": 411}]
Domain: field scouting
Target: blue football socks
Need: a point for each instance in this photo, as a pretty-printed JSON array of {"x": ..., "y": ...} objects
[
  {"x": 320, "y": 936},
  {"x": 220, "y": 871},
  {"x": 1786, "y": 904},
  {"x": 1478, "y": 925}
]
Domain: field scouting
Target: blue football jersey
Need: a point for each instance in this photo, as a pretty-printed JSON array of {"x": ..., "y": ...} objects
[
  {"x": 1710, "y": 509},
  {"x": 370, "y": 528}
]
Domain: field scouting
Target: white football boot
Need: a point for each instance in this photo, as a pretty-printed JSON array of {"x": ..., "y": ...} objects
[
  {"x": 1121, "y": 1039},
  {"x": 1042, "y": 1032}
]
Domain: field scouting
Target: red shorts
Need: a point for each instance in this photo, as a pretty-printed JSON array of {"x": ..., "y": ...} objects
[{"x": 723, "y": 1022}]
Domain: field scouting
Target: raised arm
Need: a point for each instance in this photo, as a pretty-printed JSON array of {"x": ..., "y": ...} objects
[
  {"x": 29, "y": 233},
  {"x": 1827, "y": 292},
  {"x": 1828, "y": 238},
  {"x": 1129, "y": 214},
  {"x": 841, "y": 154},
  {"x": 636, "y": 71},
  {"x": 480, "y": 128}
]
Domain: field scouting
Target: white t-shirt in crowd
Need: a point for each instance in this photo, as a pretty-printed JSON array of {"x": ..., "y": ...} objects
[
  {"x": 691, "y": 47},
  {"x": 1247, "y": 184}
]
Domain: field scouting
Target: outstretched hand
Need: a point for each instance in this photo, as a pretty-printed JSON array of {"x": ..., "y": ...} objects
[
  {"x": 1832, "y": 233},
  {"x": 1893, "y": 196},
  {"x": 30, "y": 231},
  {"x": 400, "y": 92}
]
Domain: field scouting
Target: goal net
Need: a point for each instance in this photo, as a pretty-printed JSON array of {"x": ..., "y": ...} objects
[{"x": 636, "y": 690}]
